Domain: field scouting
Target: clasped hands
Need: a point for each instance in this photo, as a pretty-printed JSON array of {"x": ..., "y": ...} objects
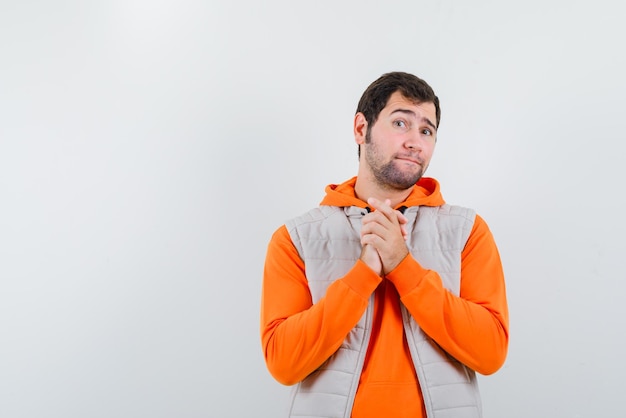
[{"x": 383, "y": 236}]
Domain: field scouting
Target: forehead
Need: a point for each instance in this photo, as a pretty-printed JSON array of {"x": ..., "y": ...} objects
[{"x": 398, "y": 101}]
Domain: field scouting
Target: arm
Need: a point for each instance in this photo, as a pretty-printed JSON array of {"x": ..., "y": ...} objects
[
  {"x": 297, "y": 335},
  {"x": 473, "y": 327}
]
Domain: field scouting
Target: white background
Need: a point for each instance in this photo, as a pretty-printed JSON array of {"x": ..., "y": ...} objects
[{"x": 148, "y": 150}]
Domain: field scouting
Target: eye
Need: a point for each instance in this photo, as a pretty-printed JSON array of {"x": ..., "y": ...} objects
[
  {"x": 427, "y": 132},
  {"x": 399, "y": 123}
]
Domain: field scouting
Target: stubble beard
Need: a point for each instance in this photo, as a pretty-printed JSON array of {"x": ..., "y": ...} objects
[{"x": 388, "y": 175}]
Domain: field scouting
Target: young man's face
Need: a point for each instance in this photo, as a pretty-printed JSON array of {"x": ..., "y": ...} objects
[{"x": 398, "y": 147}]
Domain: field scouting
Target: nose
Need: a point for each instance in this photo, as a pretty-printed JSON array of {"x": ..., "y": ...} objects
[{"x": 413, "y": 142}]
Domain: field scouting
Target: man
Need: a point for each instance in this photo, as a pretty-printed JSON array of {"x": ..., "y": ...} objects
[{"x": 383, "y": 301}]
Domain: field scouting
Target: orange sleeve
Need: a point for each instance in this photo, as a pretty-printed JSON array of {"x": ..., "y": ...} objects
[
  {"x": 473, "y": 327},
  {"x": 298, "y": 336}
]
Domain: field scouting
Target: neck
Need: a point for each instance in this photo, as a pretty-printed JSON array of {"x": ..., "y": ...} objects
[{"x": 365, "y": 188}]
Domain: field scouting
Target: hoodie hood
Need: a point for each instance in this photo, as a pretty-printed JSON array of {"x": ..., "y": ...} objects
[{"x": 425, "y": 193}]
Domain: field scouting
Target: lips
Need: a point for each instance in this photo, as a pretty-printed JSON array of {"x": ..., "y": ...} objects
[{"x": 409, "y": 158}]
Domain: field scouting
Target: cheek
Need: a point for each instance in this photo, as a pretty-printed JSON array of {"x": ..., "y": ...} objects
[{"x": 428, "y": 151}]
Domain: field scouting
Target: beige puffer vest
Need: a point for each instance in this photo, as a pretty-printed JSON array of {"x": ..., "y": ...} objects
[{"x": 327, "y": 239}]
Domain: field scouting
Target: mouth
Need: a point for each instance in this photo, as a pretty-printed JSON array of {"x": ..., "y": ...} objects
[{"x": 409, "y": 159}]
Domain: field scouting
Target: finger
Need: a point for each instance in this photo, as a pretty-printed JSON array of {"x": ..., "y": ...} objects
[
  {"x": 373, "y": 228},
  {"x": 403, "y": 221},
  {"x": 382, "y": 207},
  {"x": 377, "y": 223},
  {"x": 372, "y": 239}
]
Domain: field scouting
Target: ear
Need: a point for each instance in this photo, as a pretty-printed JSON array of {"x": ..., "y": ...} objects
[{"x": 360, "y": 128}]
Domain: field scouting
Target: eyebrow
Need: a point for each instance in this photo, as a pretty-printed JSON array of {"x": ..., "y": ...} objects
[{"x": 412, "y": 113}]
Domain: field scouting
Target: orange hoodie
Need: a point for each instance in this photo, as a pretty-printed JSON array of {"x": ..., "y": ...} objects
[{"x": 298, "y": 336}]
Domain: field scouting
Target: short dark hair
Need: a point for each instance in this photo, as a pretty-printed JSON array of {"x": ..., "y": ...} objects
[{"x": 375, "y": 97}]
